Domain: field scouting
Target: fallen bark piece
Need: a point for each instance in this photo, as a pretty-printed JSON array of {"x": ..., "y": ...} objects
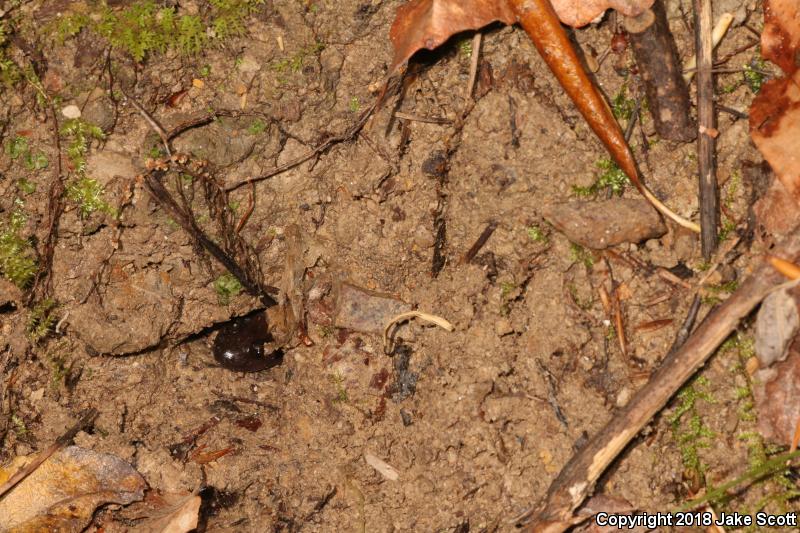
[
  {"x": 605, "y": 223},
  {"x": 777, "y": 396},
  {"x": 776, "y": 213},
  {"x": 163, "y": 512},
  {"x": 63, "y": 493},
  {"x": 657, "y": 57}
]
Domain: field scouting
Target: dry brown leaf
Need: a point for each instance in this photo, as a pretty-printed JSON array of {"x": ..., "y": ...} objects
[
  {"x": 63, "y": 493},
  {"x": 579, "y": 13},
  {"x": 780, "y": 39},
  {"x": 775, "y": 112},
  {"x": 165, "y": 513},
  {"x": 429, "y": 23}
]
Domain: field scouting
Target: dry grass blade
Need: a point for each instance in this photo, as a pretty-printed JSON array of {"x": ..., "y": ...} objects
[{"x": 433, "y": 319}]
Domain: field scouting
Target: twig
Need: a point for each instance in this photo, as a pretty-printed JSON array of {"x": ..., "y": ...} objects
[
  {"x": 709, "y": 191},
  {"x": 480, "y": 242},
  {"x": 246, "y": 400},
  {"x": 723, "y": 23},
  {"x": 249, "y": 211},
  {"x": 731, "y": 111},
  {"x": 156, "y": 189},
  {"x": 473, "y": 64},
  {"x": 577, "y": 479},
  {"x": 86, "y": 419},
  {"x": 151, "y": 121},
  {"x": 55, "y": 207},
  {"x": 686, "y": 328},
  {"x": 552, "y": 399},
  {"x": 657, "y": 58},
  {"x": 336, "y": 139},
  {"x": 416, "y": 118}
]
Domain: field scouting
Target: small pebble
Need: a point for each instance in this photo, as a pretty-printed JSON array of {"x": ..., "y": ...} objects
[
  {"x": 503, "y": 327},
  {"x": 71, "y": 111}
]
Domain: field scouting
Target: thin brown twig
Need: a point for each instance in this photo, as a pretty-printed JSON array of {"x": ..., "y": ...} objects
[
  {"x": 322, "y": 147},
  {"x": 250, "y": 206},
  {"x": 479, "y": 242},
  {"x": 42, "y": 284},
  {"x": 417, "y": 118},
  {"x": 709, "y": 190},
  {"x": 151, "y": 121},
  {"x": 473, "y": 64}
]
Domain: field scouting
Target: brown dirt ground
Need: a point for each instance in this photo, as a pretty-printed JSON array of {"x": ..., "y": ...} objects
[{"x": 481, "y": 440}]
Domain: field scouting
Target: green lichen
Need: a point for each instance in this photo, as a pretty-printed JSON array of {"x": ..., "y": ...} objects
[
  {"x": 257, "y": 127},
  {"x": 579, "y": 254},
  {"x": 613, "y": 180},
  {"x": 623, "y": 105},
  {"x": 536, "y": 234},
  {"x": 10, "y": 72},
  {"x": 146, "y": 28},
  {"x": 297, "y": 60},
  {"x": 17, "y": 257},
  {"x": 754, "y": 73},
  {"x": 688, "y": 429},
  {"x": 227, "y": 286},
  {"x": 18, "y": 148},
  {"x": 41, "y": 320},
  {"x": 84, "y": 190}
]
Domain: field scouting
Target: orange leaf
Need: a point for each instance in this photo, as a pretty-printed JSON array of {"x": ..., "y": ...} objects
[
  {"x": 775, "y": 112},
  {"x": 429, "y": 23},
  {"x": 579, "y": 13}
]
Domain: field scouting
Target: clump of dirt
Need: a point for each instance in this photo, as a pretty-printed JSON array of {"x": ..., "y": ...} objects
[{"x": 476, "y": 422}]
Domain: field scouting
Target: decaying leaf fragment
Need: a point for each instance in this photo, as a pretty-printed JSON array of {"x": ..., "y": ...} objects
[
  {"x": 429, "y": 23},
  {"x": 775, "y": 112},
  {"x": 777, "y": 324},
  {"x": 164, "y": 513},
  {"x": 63, "y": 493}
]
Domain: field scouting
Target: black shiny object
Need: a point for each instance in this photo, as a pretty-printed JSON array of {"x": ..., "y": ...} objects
[{"x": 239, "y": 345}]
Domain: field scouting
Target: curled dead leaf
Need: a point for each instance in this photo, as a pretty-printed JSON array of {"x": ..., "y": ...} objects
[
  {"x": 165, "y": 512},
  {"x": 63, "y": 493},
  {"x": 429, "y": 23}
]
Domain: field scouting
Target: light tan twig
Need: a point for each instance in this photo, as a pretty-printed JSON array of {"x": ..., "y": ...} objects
[{"x": 388, "y": 345}]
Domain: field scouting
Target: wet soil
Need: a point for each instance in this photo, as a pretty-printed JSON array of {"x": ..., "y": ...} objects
[{"x": 477, "y": 421}]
